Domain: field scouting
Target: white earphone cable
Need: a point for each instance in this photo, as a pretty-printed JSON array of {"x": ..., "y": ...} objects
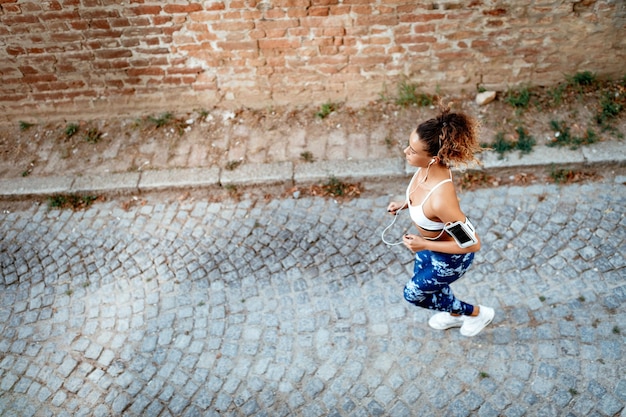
[{"x": 382, "y": 235}]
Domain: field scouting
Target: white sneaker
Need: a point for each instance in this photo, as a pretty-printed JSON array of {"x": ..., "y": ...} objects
[
  {"x": 473, "y": 325},
  {"x": 445, "y": 320}
]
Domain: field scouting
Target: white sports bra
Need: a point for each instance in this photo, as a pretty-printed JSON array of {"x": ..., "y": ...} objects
[{"x": 417, "y": 212}]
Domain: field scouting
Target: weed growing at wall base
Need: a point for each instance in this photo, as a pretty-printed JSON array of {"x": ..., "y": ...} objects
[
  {"x": 93, "y": 135},
  {"x": 325, "y": 110},
  {"x": 71, "y": 130},
  {"x": 610, "y": 108},
  {"x": 501, "y": 145},
  {"x": 408, "y": 94},
  {"x": 563, "y": 136},
  {"x": 584, "y": 78},
  {"x": 71, "y": 201},
  {"x": 518, "y": 98},
  {"x": 307, "y": 156},
  {"x": 25, "y": 125},
  {"x": 568, "y": 176}
]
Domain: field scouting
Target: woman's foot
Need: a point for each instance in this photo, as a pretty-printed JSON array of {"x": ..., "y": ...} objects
[
  {"x": 472, "y": 325},
  {"x": 445, "y": 320}
]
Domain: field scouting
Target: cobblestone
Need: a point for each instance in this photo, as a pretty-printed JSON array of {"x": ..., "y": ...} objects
[{"x": 294, "y": 307}]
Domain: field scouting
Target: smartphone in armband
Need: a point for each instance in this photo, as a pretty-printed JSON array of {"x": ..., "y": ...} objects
[{"x": 462, "y": 232}]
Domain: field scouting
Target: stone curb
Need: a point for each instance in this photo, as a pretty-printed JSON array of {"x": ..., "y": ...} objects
[{"x": 288, "y": 172}]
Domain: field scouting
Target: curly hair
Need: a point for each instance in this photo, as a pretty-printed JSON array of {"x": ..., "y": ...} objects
[{"x": 453, "y": 137}]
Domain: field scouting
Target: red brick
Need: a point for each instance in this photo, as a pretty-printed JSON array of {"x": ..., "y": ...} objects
[
  {"x": 231, "y": 26},
  {"x": 13, "y": 97},
  {"x": 256, "y": 34},
  {"x": 100, "y": 24},
  {"x": 329, "y": 60},
  {"x": 145, "y": 10},
  {"x": 35, "y": 51},
  {"x": 380, "y": 40},
  {"x": 454, "y": 55},
  {"x": 427, "y": 17},
  {"x": 277, "y": 24},
  {"x": 216, "y": 5},
  {"x": 59, "y": 86},
  {"x": 315, "y": 21},
  {"x": 15, "y": 50},
  {"x": 161, "y": 20},
  {"x": 334, "y": 32},
  {"x": 406, "y": 39},
  {"x": 430, "y": 28},
  {"x": 388, "y": 20},
  {"x": 495, "y": 12},
  {"x": 139, "y": 22},
  {"x": 275, "y": 33},
  {"x": 153, "y": 51},
  {"x": 318, "y": 11},
  {"x": 301, "y": 3},
  {"x": 231, "y": 15},
  {"x": 328, "y": 50},
  {"x": 284, "y": 43},
  {"x": 417, "y": 48},
  {"x": 463, "y": 35},
  {"x": 234, "y": 46},
  {"x": 274, "y": 13},
  {"x": 161, "y": 61},
  {"x": 182, "y": 8},
  {"x": 119, "y": 64},
  {"x": 66, "y": 37},
  {"x": 79, "y": 25},
  {"x": 339, "y": 10},
  {"x": 183, "y": 70},
  {"x": 32, "y": 79},
  {"x": 494, "y": 23},
  {"x": 29, "y": 7},
  {"x": 120, "y": 22},
  {"x": 138, "y": 72},
  {"x": 369, "y": 60},
  {"x": 67, "y": 15},
  {"x": 12, "y": 20},
  {"x": 296, "y": 13},
  {"x": 112, "y": 53},
  {"x": 366, "y": 10},
  {"x": 480, "y": 44}
]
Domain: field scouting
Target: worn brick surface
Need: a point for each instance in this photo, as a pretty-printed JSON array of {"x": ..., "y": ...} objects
[{"x": 115, "y": 57}]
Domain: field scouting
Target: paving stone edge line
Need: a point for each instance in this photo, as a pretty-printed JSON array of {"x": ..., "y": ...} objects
[{"x": 613, "y": 153}]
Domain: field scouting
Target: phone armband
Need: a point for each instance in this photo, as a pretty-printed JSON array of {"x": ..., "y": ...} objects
[{"x": 463, "y": 233}]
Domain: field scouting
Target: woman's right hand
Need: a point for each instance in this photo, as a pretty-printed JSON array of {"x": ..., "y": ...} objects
[{"x": 394, "y": 206}]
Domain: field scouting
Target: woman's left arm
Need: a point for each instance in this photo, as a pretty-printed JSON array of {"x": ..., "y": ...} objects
[
  {"x": 446, "y": 206},
  {"x": 417, "y": 243}
]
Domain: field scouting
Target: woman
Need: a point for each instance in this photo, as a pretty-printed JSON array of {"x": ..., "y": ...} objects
[{"x": 433, "y": 204}]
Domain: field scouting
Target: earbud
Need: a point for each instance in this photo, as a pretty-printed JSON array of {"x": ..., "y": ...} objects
[{"x": 432, "y": 161}]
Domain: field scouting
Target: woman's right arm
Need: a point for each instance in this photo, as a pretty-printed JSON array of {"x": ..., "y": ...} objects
[{"x": 395, "y": 206}]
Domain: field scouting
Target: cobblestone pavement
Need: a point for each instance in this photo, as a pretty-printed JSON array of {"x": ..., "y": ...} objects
[{"x": 294, "y": 308}]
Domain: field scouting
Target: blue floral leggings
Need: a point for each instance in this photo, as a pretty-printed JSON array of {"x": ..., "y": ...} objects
[{"x": 432, "y": 275}]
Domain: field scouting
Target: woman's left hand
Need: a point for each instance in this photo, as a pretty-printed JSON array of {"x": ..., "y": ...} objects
[{"x": 414, "y": 242}]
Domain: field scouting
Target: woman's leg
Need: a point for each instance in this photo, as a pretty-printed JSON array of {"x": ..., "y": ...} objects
[{"x": 430, "y": 285}]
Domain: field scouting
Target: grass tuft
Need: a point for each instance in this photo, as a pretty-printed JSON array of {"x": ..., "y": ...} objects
[
  {"x": 70, "y": 201},
  {"x": 325, "y": 110},
  {"x": 25, "y": 125},
  {"x": 519, "y": 99},
  {"x": 408, "y": 95},
  {"x": 71, "y": 130}
]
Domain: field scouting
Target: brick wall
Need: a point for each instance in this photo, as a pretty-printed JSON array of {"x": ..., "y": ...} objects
[{"x": 110, "y": 57}]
